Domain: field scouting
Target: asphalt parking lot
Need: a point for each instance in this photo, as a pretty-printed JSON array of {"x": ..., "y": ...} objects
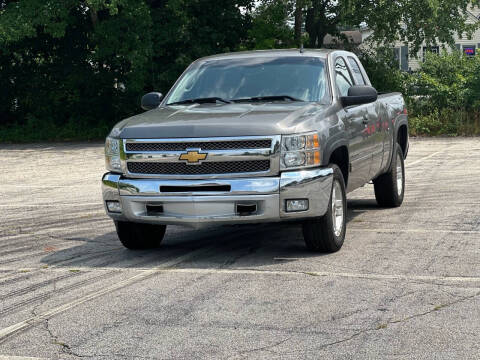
[{"x": 405, "y": 285}]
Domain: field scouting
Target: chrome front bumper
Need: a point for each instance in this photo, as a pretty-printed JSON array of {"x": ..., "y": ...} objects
[{"x": 269, "y": 194}]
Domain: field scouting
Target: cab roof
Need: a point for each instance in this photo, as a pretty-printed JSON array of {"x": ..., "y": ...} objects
[{"x": 321, "y": 53}]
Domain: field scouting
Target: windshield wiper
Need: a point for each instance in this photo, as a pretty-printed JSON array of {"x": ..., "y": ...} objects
[
  {"x": 209, "y": 100},
  {"x": 267, "y": 98}
]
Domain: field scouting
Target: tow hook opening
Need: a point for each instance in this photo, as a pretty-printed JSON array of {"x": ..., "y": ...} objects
[
  {"x": 154, "y": 210},
  {"x": 246, "y": 209}
]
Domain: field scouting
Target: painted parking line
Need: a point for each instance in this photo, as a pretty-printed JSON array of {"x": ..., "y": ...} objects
[
  {"x": 420, "y": 231},
  {"x": 141, "y": 272},
  {"x": 410, "y": 278},
  {"x": 54, "y": 186},
  {"x": 33, "y": 205},
  {"x": 425, "y": 158},
  {"x": 9, "y": 357}
]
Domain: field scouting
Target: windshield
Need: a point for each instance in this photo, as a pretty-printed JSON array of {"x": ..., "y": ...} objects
[{"x": 301, "y": 78}]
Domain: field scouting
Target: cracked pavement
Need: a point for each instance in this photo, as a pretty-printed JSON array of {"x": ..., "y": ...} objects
[{"x": 406, "y": 285}]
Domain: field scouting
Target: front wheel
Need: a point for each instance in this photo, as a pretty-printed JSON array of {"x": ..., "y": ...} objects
[
  {"x": 136, "y": 236},
  {"x": 327, "y": 233},
  {"x": 390, "y": 187}
]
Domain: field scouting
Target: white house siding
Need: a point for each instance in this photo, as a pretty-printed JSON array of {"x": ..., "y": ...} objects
[
  {"x": 475, "y": 10},
  {"x": 414, "y": 63}
]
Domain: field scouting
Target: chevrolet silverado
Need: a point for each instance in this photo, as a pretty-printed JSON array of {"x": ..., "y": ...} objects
[{"x": 250, "y": 137}]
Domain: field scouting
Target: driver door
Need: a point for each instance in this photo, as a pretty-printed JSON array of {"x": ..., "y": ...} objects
[{"x": 356, "y": 125}]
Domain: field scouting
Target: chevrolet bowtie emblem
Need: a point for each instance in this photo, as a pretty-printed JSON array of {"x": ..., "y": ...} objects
[{"x": 193, "y": 157}]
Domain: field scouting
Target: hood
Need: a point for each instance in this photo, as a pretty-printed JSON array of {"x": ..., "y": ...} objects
[{"x": 211, "y": 120}]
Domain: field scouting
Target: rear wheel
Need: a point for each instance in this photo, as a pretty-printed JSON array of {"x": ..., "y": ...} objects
[
  {"x": 140, "y": 236},
  {"x": 327, "y": 233},
  {"x": 390, "y": 187}
]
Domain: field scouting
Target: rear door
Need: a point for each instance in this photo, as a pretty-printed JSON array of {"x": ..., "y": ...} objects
[{"x": 356, "y": 123}]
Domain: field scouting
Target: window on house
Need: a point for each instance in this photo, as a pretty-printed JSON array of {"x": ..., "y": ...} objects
[
  {"x": 401, "y": 56},
  {"x": 396, "y": 55}
]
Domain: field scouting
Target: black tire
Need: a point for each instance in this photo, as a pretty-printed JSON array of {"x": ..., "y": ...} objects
[
  {"x": 319, "y": 233},
  {"x": 386, "y": 186},
  {"x": 136, "y": 236}
]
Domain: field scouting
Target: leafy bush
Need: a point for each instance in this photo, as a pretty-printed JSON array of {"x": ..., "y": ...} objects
[
  {"x": 447, "y": 81},
  {"x": 35, "y": 129},
  {"x": 383, "y": 70},
  {"x": 445, "y": 122},
  {"x": 444, "y": 95}
]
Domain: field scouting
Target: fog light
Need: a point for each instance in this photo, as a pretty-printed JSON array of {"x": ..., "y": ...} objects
[
  {"x": 114, "y": 207},
  {"x": 297, "y": 205}
]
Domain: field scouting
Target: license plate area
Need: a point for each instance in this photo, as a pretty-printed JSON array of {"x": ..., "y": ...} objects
[{"x": 199, "y": 209}]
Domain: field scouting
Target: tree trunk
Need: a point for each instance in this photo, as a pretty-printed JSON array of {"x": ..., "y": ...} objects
[
  {"x": 312, "y": 22},
  {"x": 321, "y": 37},
  {"x": 298, "y": 22},
  {"x": 94, "y": 17},
  {"x": 317, "y": 23}
]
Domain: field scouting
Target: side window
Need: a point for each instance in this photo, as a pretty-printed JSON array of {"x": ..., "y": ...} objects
[
  {"x": 357, "y": 73},
  {"x": 343, "y": 78}
]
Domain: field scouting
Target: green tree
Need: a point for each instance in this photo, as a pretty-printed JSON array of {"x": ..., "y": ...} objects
[
  {"x": 270, "y": 26},
  {"x": 69, "y": 61},
  {"x": 325, "y": 17},
  {"x": 415, "y": 21},
  {"x": 71, "y": 68},
  {"x": 412, "y": 21},
  {"x": 185, "y": 30}
]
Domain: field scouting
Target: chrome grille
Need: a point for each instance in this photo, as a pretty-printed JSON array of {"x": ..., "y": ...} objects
[
  {"x": 213, "y": 145},
  {"x": 206, "y": 168},
  {"x": 242, "y": 156}
]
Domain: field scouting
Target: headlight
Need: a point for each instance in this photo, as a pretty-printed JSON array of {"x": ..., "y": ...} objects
[
  {"x": 112, "y": 154},
  {"x": 300, "y": 151}
]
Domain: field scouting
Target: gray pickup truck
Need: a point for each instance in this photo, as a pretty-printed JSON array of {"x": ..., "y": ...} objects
[{"x": 251, "y": 137}]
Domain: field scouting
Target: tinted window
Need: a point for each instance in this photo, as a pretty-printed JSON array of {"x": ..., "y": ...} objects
[
  {"x": 357, "y": 73},
  {"x": 342, "y": 77},
  {"x": 303, "y": 78}
]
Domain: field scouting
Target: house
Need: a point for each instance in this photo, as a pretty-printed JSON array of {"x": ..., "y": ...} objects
[{"x": 406, "y": 62}]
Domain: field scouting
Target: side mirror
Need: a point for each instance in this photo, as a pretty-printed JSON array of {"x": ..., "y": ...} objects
[
  {"x": 359, "y": 95},
  {"x": 151, "y": 100}
]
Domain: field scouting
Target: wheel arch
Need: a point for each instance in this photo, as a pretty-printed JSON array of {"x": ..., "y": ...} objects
[
  {"x": 402, "y": 139},
  {"x": 339, "y": 155}
]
